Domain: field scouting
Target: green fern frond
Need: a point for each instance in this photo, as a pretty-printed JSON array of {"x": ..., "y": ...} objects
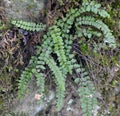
[
  {"x": 94, "y": 7},
  {"x": 98, "y": 24},
  {"x": 87, "y": 33},
  {"x": 55, "y": 34},
  {"x": 40, "y": 81},
  {"x": 59, "y": 80},
  {"x": 22, "y": 83},
  {"x": 38, "y": 71},
  {"x": 25, "y": 77},
  {"x": 69, "y": 55},
  {"x": 30, "y": 26},
  {"x": 87, "y": 92}
]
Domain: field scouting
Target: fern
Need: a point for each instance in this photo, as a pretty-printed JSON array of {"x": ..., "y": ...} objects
[
  {"x": 30, "y": 26},
  {"x": 40, "y": 80},
  {"x": 93, "y": 7},
  {"x": 86, "y": 91},
  {"x": 87, "y": 33},
  {"x": 108, "y": 37},
  {"x": 25, "y": 78},
  {"x": 44, "y": 58},
  {"x": 59, "y": 79},
  {"x": 59, "y": 40},
  {"x": 55, "y": 34}
]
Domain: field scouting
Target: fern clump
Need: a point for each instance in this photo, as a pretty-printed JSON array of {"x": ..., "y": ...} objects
[{"x": 59, "y": 40}]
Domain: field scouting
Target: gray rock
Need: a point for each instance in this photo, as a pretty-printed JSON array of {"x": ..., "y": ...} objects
[
  {"x": 22, "y": 9},
  {"x": 30, "y": 106}
]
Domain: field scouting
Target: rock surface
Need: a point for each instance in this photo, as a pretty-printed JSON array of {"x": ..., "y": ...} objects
[
  {"x": 22, "y": 9},
  {"x": 30, "y": 106}
]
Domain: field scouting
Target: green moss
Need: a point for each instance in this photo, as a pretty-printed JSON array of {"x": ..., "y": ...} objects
[{"x": 114, "y": 22}]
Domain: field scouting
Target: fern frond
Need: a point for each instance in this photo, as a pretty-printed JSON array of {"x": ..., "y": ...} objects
[
  {"x": 30, "y": 26},
  {"x": 94, "y": 7},
  {"x": 23, "y": 81},
  {"x": 86, "y": 92},
  {"x": 98, "y": 24},
  {"x": 25, "y": 77},
  {"x": 38, "y": 71},
  {"x": 55, "y": 34},
  {"x": 69, "y": 55},
  {"x": 87, "y": 33},
  {"x": 59, "y": 80},
  {"x": 40, "y": 81}
]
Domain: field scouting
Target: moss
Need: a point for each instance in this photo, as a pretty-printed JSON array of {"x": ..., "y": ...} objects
[{"x": 114, "y": 22}]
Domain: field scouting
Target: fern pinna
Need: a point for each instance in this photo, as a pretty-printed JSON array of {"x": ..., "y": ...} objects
[{"x": 59, "y": 40}]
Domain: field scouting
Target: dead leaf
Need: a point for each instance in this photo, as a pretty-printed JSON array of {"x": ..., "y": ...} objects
[{"x": 37, "y": 96}]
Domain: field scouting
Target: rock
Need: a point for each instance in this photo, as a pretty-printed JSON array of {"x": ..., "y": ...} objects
[
  {"x": 22, "y": 9},
  {"x": 31, "y": 106}
]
